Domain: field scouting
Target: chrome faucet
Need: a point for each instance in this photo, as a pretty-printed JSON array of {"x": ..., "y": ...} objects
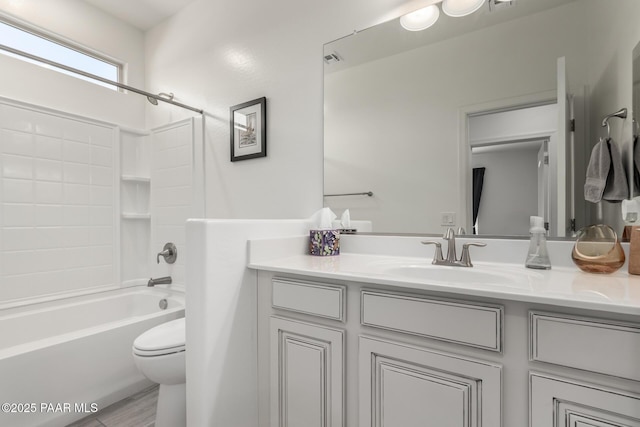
[
  {"x": 452, "y": 259},
  {"x": 159, "y": 281},
  {"x": 450, "y": 237}
]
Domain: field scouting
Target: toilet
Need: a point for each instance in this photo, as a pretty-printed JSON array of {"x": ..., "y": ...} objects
[{"x": 159, "y": 354}]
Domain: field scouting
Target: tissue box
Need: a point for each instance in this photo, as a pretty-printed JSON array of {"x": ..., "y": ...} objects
[{"x": 324, "y": 242}]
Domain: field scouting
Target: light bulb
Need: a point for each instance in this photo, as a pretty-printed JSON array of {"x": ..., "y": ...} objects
[
  {"x": 458, "y": 8},
  {"x": 421, "y": 19}
]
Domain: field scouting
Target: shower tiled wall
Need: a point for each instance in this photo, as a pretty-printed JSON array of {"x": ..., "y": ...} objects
[
  {"x": 172, "y": 193},
  {"x": 56, "y": 203}
]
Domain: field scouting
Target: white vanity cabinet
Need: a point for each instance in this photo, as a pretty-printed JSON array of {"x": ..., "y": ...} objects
[
  {"x": 589, "y": 344},
  {"x": 342, "y": 352},
  {"x": 561, "y": 402},
  {"x": 306, "y": 374},
  {"x": 404, "y": 386},
  {"x": 306, "y": 367}
]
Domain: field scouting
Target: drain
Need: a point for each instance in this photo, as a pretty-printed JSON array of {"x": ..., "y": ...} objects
[{"x": 163, "y": 304}]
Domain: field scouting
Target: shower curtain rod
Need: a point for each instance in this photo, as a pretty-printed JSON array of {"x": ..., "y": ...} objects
[{"x": 100, "y": 79}]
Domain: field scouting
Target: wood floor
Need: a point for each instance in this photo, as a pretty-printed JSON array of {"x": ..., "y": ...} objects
[{"x": 138, "y": 410}]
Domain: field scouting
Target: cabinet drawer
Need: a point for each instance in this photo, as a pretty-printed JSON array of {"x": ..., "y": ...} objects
[
  {"x": 460, "y": 322},
  {"x": 317, "y": 299},
  {"x": 596, "y": 345}
]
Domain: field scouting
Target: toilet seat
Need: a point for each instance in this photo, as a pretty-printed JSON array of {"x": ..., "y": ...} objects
[
  {"x": 163, "y": 339},
  {"x": 160, "y": 352}
]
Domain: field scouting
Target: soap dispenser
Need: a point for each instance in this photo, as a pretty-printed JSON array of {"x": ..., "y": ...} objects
[{"x": 538, "y": 256}]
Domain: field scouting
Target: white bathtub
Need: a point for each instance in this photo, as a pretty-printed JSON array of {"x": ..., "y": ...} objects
[{"x": 61, "y": 360}]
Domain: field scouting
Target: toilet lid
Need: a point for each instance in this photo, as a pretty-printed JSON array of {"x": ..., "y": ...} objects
[{"x": 165, "y": 338}]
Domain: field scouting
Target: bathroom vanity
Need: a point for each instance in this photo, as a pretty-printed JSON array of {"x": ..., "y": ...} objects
[{"x": 366, "y": 339}]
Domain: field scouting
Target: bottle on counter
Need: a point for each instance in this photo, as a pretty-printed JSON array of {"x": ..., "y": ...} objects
[{"x": 538, "y": 257}]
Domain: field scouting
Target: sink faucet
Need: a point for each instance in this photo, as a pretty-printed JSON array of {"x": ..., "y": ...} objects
[
  {"x": 450, "y": 238},
  {"x": 159, "y": 281},
  {"x": 452, "y": 259}
]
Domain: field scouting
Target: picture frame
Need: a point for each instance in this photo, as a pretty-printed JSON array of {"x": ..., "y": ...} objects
[{"x": 248, "y": 126}]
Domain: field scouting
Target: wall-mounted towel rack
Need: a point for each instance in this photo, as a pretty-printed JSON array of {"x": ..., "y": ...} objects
[
  {"x": 366, "y": 193},
  {"x": 621, "y": 114}
]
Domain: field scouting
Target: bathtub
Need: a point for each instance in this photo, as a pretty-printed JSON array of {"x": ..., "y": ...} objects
[{"x": 63, "y": 360}]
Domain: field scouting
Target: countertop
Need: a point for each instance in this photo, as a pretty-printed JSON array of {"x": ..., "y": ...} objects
[{"x": 562, "y": 286}]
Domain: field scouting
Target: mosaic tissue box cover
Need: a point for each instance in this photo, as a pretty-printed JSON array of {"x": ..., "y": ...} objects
[{"x": 324, "y": 242}]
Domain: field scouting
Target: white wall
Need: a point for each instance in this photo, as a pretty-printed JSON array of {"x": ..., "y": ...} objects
[
  {"x": 222, "y": 317},
  {"x": 81, "y": 23},
  {"x": 214, "y": 55},
  {"x": 433, "y": 83}
]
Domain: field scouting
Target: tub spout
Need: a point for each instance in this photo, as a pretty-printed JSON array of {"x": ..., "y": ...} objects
[{"x": 159, "y": 281}]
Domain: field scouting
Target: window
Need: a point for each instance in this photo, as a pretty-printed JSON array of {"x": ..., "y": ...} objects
[{"x": 35, "y": 44}]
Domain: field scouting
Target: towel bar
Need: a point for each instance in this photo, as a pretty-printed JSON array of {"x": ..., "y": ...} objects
[
  {"x": 621, "y": 114},
  {"x": 367, "y": 193}
]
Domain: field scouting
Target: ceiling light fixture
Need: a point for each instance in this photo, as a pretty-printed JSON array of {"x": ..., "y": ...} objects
[
  {"x": 421, "y": 19},
  {"x": 458, "y": 8}
]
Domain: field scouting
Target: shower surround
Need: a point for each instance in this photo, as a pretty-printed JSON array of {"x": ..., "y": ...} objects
[
  {"x": 85, "y": 205},
  {"x": 57, "y": 197}
]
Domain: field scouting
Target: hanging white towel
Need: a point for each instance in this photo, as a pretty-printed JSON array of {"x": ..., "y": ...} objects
[
  {"x": 617, "y": 186},
  {"x": 597, "y": 172}
]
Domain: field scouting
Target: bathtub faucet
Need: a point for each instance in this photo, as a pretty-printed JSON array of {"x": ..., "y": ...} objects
[
  {"x": 159, "y": 281},
  {"x": 169, "y": 253}
]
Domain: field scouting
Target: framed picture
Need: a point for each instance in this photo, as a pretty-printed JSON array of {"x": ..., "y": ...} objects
[{"x": 249, "y": 130}]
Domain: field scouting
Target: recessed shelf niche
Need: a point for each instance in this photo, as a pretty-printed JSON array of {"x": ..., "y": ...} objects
[{"x": 135, "y": 190}]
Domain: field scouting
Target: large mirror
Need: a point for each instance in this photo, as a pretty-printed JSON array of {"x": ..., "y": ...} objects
[
  {"x": 417, "y": 121},
  {"x": 635, "y": 115}
]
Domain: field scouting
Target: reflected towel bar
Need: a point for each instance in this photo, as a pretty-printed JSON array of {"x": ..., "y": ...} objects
[
  {"x": 621, "y": 114},
  {"x": 367, "y": 193}
]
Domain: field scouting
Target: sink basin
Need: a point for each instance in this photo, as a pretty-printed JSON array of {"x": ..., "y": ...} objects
[{"x": 440, "y": 274}]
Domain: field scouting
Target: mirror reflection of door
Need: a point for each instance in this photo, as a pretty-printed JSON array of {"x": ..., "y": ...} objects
[
  {"x": 635, "y": 114},
  {"x": 544, "y": 208},
  {"x": 514, "y": 147}
]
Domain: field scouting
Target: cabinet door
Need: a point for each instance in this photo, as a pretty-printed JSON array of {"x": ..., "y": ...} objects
[
  {"x": 307, "y": 382},
  {"x": 566, "y": 403},
  {"x": 407, "y": 386}
]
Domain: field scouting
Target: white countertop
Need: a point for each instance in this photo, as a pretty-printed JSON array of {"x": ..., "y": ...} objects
[{"x": 562, "y": 286}]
